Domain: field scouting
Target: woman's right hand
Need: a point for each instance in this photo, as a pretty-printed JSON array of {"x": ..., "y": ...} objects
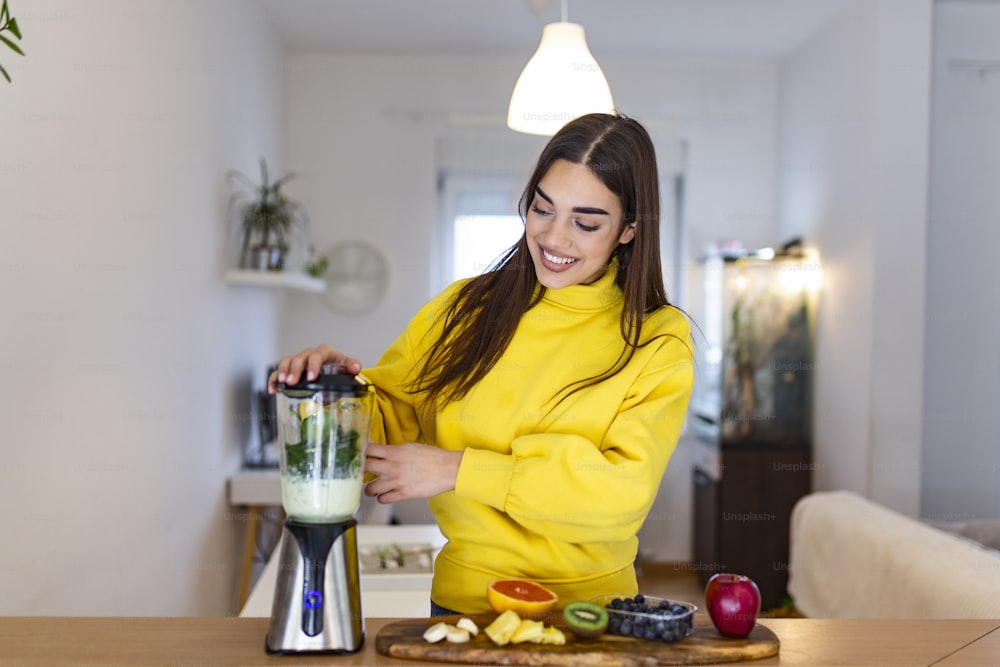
[{"x": 309, "y": 361}]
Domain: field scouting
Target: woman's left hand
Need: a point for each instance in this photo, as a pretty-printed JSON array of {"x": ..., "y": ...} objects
[{"x": 411, "y": 470}]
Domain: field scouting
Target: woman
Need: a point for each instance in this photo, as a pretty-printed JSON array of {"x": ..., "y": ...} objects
[{"x": 536, "y": 406}]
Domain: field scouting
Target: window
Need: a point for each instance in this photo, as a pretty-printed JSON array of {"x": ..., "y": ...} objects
[
  {"x": 481, "y": 172},
  {"x": 478, "y": 223},
  {"x": 479, "y": 240}
]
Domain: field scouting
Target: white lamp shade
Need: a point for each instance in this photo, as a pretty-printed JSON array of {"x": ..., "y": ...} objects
[{"x": 562, "y": 81}]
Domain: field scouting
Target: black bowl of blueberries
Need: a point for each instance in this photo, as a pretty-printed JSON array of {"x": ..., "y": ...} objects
[{"x": 647, "y": 617}]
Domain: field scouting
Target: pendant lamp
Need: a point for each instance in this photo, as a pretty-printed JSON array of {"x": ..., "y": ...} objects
[{"x": 562, "y": 81}]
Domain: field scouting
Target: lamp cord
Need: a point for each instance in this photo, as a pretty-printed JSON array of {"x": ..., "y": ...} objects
[{"x": 564, "y": 17}]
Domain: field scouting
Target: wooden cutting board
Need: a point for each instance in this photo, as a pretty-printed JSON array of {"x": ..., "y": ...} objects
[{"x": 404, "y": 639}]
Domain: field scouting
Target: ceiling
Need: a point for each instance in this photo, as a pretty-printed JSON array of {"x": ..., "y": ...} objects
[{"x": 756, "y": 29}]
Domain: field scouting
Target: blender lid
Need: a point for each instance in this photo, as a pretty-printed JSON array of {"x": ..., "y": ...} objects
[{"x": 332, "y": 378}]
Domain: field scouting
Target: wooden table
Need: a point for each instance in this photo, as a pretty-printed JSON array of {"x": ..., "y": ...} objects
[{"x": 240, "y": 641}]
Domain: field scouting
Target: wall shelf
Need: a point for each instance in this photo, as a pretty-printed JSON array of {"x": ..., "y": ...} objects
[{"x": 283, "y": 279}]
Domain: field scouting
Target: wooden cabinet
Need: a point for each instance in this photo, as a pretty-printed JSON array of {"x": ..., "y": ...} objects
[{"x": 742, "y": 511}]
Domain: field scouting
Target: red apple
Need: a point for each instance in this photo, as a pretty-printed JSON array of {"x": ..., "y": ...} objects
[{"x": 733, "y": 602}]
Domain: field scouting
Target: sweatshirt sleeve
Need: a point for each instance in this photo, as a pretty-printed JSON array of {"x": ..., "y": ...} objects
[
  {"x": 396, "y": 419},
  {"x": 573, "y": 489}
]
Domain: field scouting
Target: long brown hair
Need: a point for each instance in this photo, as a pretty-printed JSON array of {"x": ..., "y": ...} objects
[{"x": 482, "y": 317}]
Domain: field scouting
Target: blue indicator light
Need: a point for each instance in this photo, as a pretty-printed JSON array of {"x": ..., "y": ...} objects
[{"x": 313, "y": 599}]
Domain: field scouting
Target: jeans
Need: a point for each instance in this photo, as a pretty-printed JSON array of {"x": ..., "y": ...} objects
[{"x": 437, "y": 610}]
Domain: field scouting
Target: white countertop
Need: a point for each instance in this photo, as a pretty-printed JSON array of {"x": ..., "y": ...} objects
[
  {"x": 405, "y": 595},
  {"x": 255, "y": 486}
]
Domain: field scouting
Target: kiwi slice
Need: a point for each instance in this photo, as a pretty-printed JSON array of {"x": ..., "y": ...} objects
[{"x": 586, "y": 619}]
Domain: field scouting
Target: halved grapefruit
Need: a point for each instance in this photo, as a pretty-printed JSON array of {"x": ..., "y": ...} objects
[{"x": 526, "y": 598}]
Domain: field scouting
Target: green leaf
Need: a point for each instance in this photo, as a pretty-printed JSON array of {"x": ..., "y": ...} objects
[
  {"x": 12, "y": 26},
  {"x": 347, "y": 459},
  {"x": 324, "y": 446},
  {"x": 5, "y": 75},
  {"x": 297, "y": 459},
  {"x": 11, "y": 45},
  {"x": 243, "y": 178}
]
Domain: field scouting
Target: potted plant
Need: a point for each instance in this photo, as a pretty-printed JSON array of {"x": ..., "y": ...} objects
[{"x": 267, "y": 219}]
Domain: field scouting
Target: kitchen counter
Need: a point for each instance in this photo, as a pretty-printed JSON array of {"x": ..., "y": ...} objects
[
  {"x": 400, "y": 593},
  {"x": 240, "y": 641}
]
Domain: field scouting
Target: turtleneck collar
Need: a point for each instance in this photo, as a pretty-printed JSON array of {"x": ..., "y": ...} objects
[{"x": 597, "y": 295}]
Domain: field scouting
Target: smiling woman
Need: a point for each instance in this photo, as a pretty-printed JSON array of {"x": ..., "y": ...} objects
[{"x": 562, "y": 374}]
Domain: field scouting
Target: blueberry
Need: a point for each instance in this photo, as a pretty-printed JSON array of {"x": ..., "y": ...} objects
[
  {"x": 640, "y": 598},
  {"x": 626, "y": 628}
]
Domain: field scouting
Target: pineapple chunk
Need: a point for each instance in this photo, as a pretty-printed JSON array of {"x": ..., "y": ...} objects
[
  {"x": 551, "y": 635},
  {"x": 502, "y": 628},
  {"x": 528, "y": 631}
]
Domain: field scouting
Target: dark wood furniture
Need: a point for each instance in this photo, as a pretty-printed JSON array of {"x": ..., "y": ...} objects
[{"x": 742, "y": 512}]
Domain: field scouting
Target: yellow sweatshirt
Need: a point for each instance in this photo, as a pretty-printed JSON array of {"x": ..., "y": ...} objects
[{"x": 550, "y": 492}]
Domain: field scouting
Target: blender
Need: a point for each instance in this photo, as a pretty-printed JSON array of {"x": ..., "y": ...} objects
[{"x": 322, "y": 435}]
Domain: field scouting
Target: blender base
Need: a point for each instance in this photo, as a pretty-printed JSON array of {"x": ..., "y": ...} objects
[{"x": 317, "y": 596}]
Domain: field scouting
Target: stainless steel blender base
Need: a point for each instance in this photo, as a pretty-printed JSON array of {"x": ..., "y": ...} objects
[{"x": 317, "y": 596}]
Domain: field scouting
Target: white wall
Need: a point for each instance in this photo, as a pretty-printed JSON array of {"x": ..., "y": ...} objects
[
  {"x": 361, "y": 130},
  {"x": 125, "y": 358},
  {"x": 854, "y": 124},
  {"x": 962, "y": 380}
]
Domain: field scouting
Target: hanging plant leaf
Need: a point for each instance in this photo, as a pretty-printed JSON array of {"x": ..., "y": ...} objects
[{"x": 12, "y": 45}]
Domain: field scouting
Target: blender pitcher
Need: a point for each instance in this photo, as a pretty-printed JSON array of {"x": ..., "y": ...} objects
[{"x": 323, "y": 434}]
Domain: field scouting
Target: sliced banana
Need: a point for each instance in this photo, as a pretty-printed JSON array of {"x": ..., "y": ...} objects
[
  {"x": 457, "y": 635},
  {"x": 436, "y": 632},
  {"x": 468, "y": 624}
]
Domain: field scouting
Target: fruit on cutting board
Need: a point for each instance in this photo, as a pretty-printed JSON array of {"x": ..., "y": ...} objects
[
  {"x": 436, "y": 633},
  {"x": 552, "y": 635},
  {"x": 502, "y": 628},
  {"x": 528, "y": 630},
  {"x": 469, "y": 625},
  {"x": 733, "y": 602},
  {"x": 527, "y": 598},
  {"x": 647, "y": 617},
  {"x": 509, "y": 628},
  {"x": 586, "y": 619},
  {"x": 459, "y": 633}
]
